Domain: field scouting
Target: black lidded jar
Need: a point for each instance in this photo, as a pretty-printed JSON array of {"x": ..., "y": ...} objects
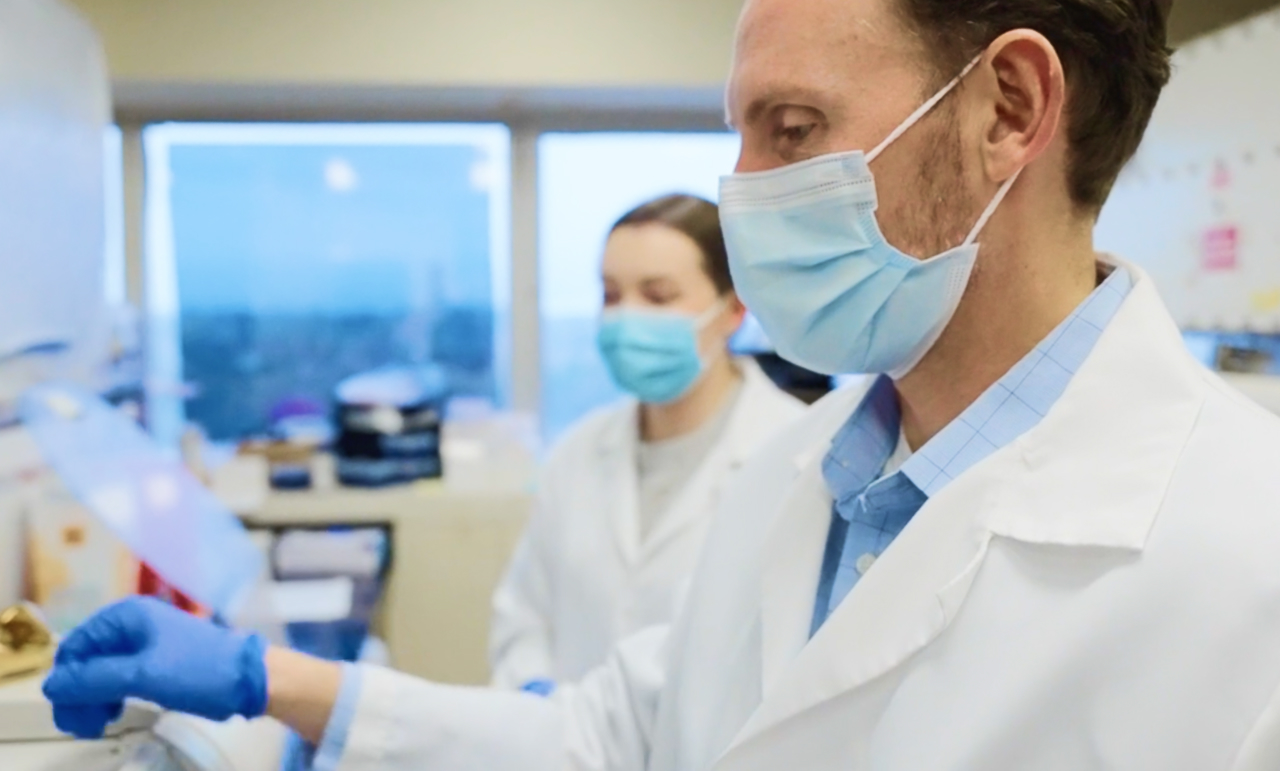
[{"x": 389, "y": 424}]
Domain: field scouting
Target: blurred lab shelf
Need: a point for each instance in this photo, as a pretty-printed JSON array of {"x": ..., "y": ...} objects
[{"x": 449, "y": 549}]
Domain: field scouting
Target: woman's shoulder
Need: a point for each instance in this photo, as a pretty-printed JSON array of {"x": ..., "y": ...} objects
[{"x": 767, "y": 395}]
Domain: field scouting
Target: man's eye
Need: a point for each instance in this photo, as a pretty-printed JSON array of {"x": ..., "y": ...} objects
[{"x": 796, "y": 134}]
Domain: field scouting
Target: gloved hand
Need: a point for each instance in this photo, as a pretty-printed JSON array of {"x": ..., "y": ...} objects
[
  {"x": 543, "y": 688},
  {"x": 144, "y": 649}
]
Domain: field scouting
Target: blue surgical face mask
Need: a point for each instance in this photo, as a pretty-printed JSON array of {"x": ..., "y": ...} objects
[
  {"x": 809, "y": 260},
  {"x": 653, "y": 355}
]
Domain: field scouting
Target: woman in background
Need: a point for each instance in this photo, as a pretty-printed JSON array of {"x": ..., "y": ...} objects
[{"x": 626, "y": 498}]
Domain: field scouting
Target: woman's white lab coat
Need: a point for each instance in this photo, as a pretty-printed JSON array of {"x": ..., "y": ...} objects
[
  {"x": 1102, "y": 593},
  {"x": 582, "y": 579}
]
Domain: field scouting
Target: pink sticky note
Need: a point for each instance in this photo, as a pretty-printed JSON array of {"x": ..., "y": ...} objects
[{"x": 1220, "y": 248}]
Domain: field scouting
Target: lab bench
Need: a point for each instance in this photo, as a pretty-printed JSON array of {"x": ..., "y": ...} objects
[{"x": 448, "y": 548}]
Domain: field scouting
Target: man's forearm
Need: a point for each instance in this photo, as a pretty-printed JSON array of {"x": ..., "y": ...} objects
[{"x": 302, "y": 691}]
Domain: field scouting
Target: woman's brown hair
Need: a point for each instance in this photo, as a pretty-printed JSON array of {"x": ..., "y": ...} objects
[{"x": 697, "y": 218}]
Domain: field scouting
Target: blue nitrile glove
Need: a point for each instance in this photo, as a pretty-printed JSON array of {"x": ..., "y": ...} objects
[
  {"x": 543, "y": 688},
  {"x": 144, "y": 649}
]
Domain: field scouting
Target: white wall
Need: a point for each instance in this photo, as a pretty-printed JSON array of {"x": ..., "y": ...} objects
[
  {"x": 54, "y": 106},
  {"x": 419, "y": 42},
  {"x": 453, "y": 42},
  {"x": 1198, "y": 206}
]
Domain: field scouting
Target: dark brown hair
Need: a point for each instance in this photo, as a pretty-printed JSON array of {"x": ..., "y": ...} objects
[
  {"x": 698, "y": 219},
  {"x": 1115, "y": 55}
]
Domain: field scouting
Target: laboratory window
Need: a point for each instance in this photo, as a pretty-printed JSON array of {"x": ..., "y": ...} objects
[
  {"x": 586, "y": 181},
  {"x": 282, "y": 259}
]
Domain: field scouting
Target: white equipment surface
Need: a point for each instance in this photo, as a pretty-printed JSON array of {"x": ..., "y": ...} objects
[
  {"x": 54, "y": 108},
  {"x": 144, "y": 740},
  {"x": 1196, "y": 207}
]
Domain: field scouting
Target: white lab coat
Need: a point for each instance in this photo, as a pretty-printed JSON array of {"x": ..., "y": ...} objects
[
  {"x": 1102, "y": 593},
  {"x": 582, "y": 579}
]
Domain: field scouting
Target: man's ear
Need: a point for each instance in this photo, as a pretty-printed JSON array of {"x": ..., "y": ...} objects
[
  {"x": 1030, "y": 95},
  {"x": 735, "y": 313}
]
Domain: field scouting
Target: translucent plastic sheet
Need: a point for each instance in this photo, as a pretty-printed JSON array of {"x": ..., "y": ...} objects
[{"x": 148, "y": 499}]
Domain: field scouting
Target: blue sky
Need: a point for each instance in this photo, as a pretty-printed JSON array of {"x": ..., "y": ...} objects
[{"x": 315, "y": 228}]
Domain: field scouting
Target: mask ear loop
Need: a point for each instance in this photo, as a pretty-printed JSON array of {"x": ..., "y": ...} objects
[
  {"x": 991, "y": 208},
  {"x": 709, "y": 315},
  {"x": 922, "y": 111},
  {"x": 702, "y": 322}
]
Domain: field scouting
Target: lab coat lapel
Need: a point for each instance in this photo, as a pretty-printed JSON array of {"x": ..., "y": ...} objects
[
  {"x": 618, "y": 480},
  {"x": 793, "y": 549},
  {"x": 1095, "y": 471},
  {"x": 792, "y": 566},
  {"x": 898, "y": 608}
]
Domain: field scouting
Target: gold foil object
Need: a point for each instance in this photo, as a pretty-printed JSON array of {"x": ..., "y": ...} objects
[{"x": 26, "y": 644}]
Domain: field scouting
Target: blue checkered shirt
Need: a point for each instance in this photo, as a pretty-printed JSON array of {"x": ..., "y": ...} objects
[{"x": 871, "y": 509}]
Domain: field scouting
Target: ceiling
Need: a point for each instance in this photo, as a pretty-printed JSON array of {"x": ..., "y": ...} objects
[{"x": 1196, "y": 17}]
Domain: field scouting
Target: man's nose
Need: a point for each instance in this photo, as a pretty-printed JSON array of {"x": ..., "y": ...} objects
[{"x": 750, "y": 160}]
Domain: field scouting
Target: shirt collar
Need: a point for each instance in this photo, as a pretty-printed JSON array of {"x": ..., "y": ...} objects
[
  {"x": 1008, "y": 409},
  {"x": 862, "y": 447}
]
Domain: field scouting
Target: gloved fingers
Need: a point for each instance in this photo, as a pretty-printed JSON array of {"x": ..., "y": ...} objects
[
  {"x": 101, "y": 681},
  {"x": 541, "y": 687},
  {"x": 120, "y": 629},
  {"x": 86, "y": 722}
]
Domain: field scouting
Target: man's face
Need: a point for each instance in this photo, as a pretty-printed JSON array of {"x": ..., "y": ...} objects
[{"x": 814, "y": 77}]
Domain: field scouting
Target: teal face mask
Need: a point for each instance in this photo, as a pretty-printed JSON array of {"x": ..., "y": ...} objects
[
  {"x": 809, "y": 260},
  {"x": 653, "y": 355}
]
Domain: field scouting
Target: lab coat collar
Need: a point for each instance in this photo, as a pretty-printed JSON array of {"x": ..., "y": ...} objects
[
  {"x": 744, "y": 433},
  {"x": 622, "y": 434},
  {"x": 617, "y": 464},
  {"x": 1093, "y": 473},
  {"x": 618, "y": 445},
  {"x": 751, "y": 419}
]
